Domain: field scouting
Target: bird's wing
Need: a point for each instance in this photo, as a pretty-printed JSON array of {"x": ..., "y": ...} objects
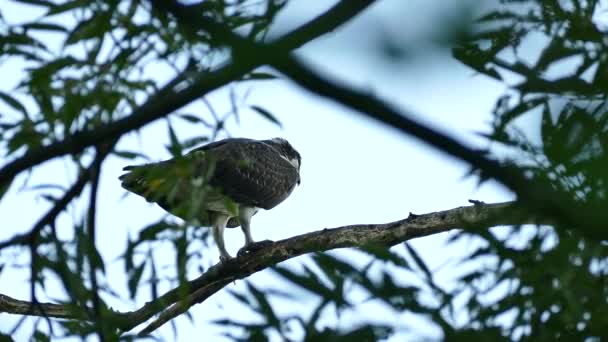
[{"x": 250, "y": 172}]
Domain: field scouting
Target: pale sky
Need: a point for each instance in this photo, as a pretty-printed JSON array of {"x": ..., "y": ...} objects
[{"x": 353, "y": 170}]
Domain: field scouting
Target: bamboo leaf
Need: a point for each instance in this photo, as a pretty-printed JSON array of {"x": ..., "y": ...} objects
[{"x": 267, "y": 115}]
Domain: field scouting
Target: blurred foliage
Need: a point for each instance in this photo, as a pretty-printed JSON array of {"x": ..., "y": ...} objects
[
  {"x": 88, "y": 62},
  {"x": 553, "y": 121}
]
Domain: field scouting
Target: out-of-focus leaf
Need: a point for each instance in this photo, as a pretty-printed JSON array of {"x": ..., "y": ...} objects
[
  {"x": 134, "y": 278},
  {"x": 264, "y": 307},
  {"x": 43, "y": 3},
  {"x": 259, "y": 76},
  {"x": 175, "y": 148},
  {"x": 385, "y": 254},
  {"x": 93, "y": 27},
  {"x": 267, "y": 115},
  {"x": 38, "y": 187},
  {"x": 129, "y": 154},
  {"x": 151, "y": 231},
  {"x": 418, "y": 260},
  {"x": 67, "y": 6},
  {"x": 5, "y": 338},
  {"x": 310, "y": 282},
  {"x": 191, "y": 118},
  {"x": 13, "y": 102},
  {"x": 4, "y": 188},
  {"x": 39, "y": 336},
  {"x": 44, "y": 27}
]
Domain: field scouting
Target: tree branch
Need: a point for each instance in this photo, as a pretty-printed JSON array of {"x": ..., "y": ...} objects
[
  {"x": 23, "y": 307},
  {"x": 173, "y": 303},
  {"x": 167, "y": 99}
]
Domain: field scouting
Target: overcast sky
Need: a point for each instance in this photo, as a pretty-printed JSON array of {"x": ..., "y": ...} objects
[{"x": 353, "y": 170}]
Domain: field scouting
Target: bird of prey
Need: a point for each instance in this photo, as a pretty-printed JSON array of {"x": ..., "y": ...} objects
[{"x": 221, "y": 184}]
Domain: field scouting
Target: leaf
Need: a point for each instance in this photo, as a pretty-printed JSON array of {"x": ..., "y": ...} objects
[
  {"x": 419, "y": 262},
  {"x": 67, "y": 6},
  {"x": 264, "y": 307},
  {"x": 175, "y": 148},
  {"x": 13, "y": 102},
  {"x": 240, "y": 297},
  {"x": 44, "y": 27},
  {"x": 43, "y": 73},
  {"x": 5, "y": 338},
  {"x": 134, "y": 278},
  {"x": 259, "y": 76},
  {"x": 150, "y": 232},
  {"x": 46, "y": 187},
  {"x": 310, "y": 282},
  {"x": 385, "y": 254},
  {"x": 44, "y": 3},
  {"x": 129, "y": 154},
  {"x": 191, "y": 118},
  {"x": 94, "y": 27},
  {"x": 39, "y": 336},
  {"x": 266, "y": 114}
]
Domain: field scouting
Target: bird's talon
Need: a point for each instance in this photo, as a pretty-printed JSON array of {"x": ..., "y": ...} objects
[{"x": 254, "y": 247}]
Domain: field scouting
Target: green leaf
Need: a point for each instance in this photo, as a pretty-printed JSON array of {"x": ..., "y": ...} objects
[
  {"x": 94, "y": 27},
  {"x": 67, "y": 6},
  {"x": 39, "y": 336},
  {"x": 44, "y": 3},
  {"x": 129, "y": 154},
  {"x": 191, "y": 118},
  {"x": 13, "y": 102},
  {"x": 310, "y": 281},
  {"x": 175, "y": 147},
  {"x": 44, "y": 27},
  {"x": 5, "y": 338},
  {"x": 259, "y": 76},
  {"x": 267, "y": 115},
  {"x": 150, "y": 232},
  {"x": 134, "y": 278},
  {"x": 385, "y": 254},
  {"x": 264, "y": 307},
  {"x": 4, "y": 188},
  {"x": 43, "y": 73},
  {"x": 419, "y": 262}
]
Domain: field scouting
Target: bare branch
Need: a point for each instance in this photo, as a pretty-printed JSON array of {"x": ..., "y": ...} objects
[
  {"x": 173, "y": 303},
  {"x": 22, "y": 307}
]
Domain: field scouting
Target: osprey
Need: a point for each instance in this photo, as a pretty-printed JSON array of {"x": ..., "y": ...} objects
[{"x": 221, "y": 184}]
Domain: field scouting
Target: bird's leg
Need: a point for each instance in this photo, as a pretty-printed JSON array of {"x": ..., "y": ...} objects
[
  {"x": 218, "y": 235},
  {"x": 245, "y": 214}
]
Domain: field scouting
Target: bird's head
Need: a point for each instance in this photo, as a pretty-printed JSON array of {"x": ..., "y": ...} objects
[{"x": 287, "y": 151}]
